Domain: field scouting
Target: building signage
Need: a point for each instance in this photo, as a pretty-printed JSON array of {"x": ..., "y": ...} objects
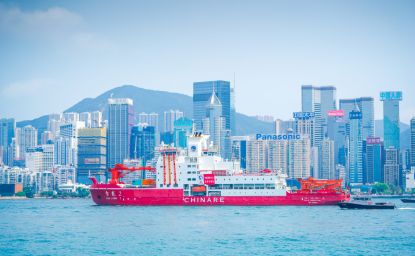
[
  {"x": 303, "y": 114},
  {"x": 390, "y": 96},
  {"x": 336, "y": 112},
  {"x": 373, "y": 141},
  {"x": 355, "y": 115},
  {"x": 278, "y": 137},
  {"x": 209, "y": 179},
  {"x": 91, "y": 160},
  {"x": 340, "y": 120},
  {"x": 200, "y": 179}
]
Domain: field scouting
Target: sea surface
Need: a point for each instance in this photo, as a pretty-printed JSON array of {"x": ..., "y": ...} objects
[{"x": 79, "y": 227}]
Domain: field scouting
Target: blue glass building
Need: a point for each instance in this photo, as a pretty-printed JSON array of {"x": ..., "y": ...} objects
[
  {"x": 142, "y": 143},
  {"x": 120, "y": 123},
  {"x": 202, "y": 91},
  {"x": 374, "y": 160},
  {"x": 366, "y": 106},
  {"x": 182, "y": 127},
  {"x": 391, "y": 124},
  {"x": 356, "y": 147}
]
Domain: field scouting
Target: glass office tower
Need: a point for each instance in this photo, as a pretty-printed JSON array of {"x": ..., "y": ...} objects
[
  {"x": 202, "y": 91},
  {"x": 319, "y": 99},
  {"x": 366, "y": 106},
  {"x": 356, "y": 147},
  {"x": 120, "y": 123},
  {"x": 391, "y": 124}
]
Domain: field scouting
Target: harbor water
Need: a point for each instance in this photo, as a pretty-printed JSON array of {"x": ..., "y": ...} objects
[{"x": 79, "y": 227}]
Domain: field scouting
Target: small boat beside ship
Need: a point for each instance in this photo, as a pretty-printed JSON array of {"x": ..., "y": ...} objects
[
  {"x": 365, "y": 202},
  {"x": 408, "y": 200}
]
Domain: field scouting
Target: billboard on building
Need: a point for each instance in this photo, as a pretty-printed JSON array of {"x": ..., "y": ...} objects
[
  {"x": 375, "y": 140},
  {"x": 392, "y": 95},
  {"x": 336, "y": 112},
  {"x": 303, "y": 114}
]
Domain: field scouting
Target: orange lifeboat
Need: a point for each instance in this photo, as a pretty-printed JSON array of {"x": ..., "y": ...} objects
[{"x": 199, "y": 189}]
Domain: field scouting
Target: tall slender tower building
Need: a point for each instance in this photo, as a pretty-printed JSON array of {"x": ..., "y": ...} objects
[
  {"x": 143, "y": 118},
  {"x": 153, "y": 120},
  {"x": 169, "y": 118},
  {"x": 320, "y": 100},
  {"x": 201, "y": 94},
  {"x": 7, "y": 128},
  {"x": 366, "y": 106},
  {"x": 120, "y": 123},
  {"x": 391, "y": 120},
  {"x": 356, "y": 147}
]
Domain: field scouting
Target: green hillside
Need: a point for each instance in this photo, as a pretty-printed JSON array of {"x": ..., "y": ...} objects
[{"x": 149, "y": 101}]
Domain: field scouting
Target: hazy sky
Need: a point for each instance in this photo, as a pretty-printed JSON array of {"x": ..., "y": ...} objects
[{"x": 55, "y": 53}]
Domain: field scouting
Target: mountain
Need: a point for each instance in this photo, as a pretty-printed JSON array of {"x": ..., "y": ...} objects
[
  {"x": 149, "y": 101},
  {"x": 405, "y": 139}
]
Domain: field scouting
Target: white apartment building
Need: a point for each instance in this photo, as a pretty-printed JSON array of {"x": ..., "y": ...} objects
[
  {"x": 96, "y": 119},
  {"x": 299, "y": 158},
  {"x": 278, "y": 155},
  {"x": 70, "y": 117},
  {"x": 326, "y": 159},
  {"x": 85, "y": 117},
  {"x": 143, "y": 118},
  {"x": 153, "y": 120},
  {"x": 63, "y": 174},
  {"x": 169, "y": 118},
  {"x": 256, "y": 156}
]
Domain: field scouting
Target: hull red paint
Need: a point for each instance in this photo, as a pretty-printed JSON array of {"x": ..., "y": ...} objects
[{"x": 113, "y": 195}]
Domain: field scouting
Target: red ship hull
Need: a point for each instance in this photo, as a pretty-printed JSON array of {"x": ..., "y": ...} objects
[{"x": 114, "y": 195}]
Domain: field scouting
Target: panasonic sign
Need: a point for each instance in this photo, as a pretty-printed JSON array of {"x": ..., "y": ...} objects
[{"x": 278, "y": 137}]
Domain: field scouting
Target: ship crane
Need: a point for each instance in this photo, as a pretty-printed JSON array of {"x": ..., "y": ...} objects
[
  {"x": 312, "y": 184},
  {"x": 117, "y": 172}
]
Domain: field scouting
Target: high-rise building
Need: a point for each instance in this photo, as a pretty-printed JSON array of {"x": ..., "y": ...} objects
[
  {"x": 55, "y": 116},
  {"x": 337, "y": 131},
  {"x": 92, "y": 154},
  {"x": 40, "y": 158},
  {"x": 86, "y": 117},
  {"x": 142, "y": 143},
  {"x": 96, "y": 119},
  {"x": 182, "y": 127},
  {"x": 45, "y": 137},
  {"x": 169, "y": 118},
  {"x": 391, "y": 120},
  {"x": 120, "y": 123},
  {"x": 366, "y": 106},
  {"x": 64, "y": 151},
  {"x": 304, "y": 125},
  {"x": 326, "y": 159},
  {"x": 281, "y": 127},
  {"x": 314, "y": 162},
  {"x": 70, "y": 130},
  {"x": 320, "y": 100},
  {"x": 412, "y": 133},
  {"x": 256, "y": 156},
  {"x": 340, "y": 174},
  {"x": 404, "y": 159},
  {"x": 28, "y": 139},
  {"x": 239, "y": 149},
  {"x": 143, "y": 118},
  {"x": 54, "y": 127},
  {"x": 299, "y": 158},
  {"x": 202, "y": 92},
  {"x": 391, "y": 167},
  {"x": 7, "y": 129},
  {"x": 278, "y": 155},
  {"x": 374, "y": 160},
  {"x": 63, "y": 174},
  {"x": 356, "y": 147},
  {"x": 153, "y": 120},
  {"x": 70, "y": 117}
]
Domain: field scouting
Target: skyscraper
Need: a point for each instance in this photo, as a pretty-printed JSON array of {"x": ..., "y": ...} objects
[
  {"x": 182, "y": 127},
  {"x": 70, "y": 117},
  {"x": 412, "y": 132},
  {"x": 299, "y": 158},
  {"x": 142, "y": 143},
  {"x": 153, "y": 120},
  {"x": 326, "y": 159},
  {"x": 45, "y": 137},
  {"x": 201, "y": 94},
  {"x": 92, "y": 154},
  {"x": 143, "y": 118},
  {"x": 374, "y": 160},
  {"x": 256, "y": 155},
  {"x": 304, "y": 125},
  {"x": 96, "y": 119},
  {"x": 278, "y": 155},
  {"x": 320, "y": 100},
  {"x": 391, "y": 120},
  {"x": 169, "y": 118},
  {"x": 28, "y": 139},
  {"x": 7, "y": 128},
  {"x": 86, "y": 117},
  {"x": 391, "y": 167},
  {"x": 120, "y": 123},
  {"x": 366, "y": 106},
  {"x": 356, "y": 147}
]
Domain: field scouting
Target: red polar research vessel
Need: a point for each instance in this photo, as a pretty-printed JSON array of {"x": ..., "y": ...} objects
[{"x": 198, "y": 175}]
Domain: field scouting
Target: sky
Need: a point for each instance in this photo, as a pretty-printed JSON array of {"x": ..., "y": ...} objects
[{"x": 53, "y": 54}]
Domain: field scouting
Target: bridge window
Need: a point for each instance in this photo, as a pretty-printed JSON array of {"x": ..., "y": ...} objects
[
  {"x": 259, "y": 186},
  {"x": 238, "y": 186},
  {"x": 248, "y": 186}
]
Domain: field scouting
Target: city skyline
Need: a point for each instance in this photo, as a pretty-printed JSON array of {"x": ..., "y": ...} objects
[{"x": 372, "y": 52}]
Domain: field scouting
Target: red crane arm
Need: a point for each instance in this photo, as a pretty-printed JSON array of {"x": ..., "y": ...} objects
[{"x": 116, "y": 172}]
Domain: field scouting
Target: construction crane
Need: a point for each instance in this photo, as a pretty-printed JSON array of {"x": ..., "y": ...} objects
[
  {"x": 117, "y": 172},
  {"x": 103, "y": 113}
]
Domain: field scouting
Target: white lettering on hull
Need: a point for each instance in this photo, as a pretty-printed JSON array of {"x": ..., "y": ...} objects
[{"x": 203, "y": 200}]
